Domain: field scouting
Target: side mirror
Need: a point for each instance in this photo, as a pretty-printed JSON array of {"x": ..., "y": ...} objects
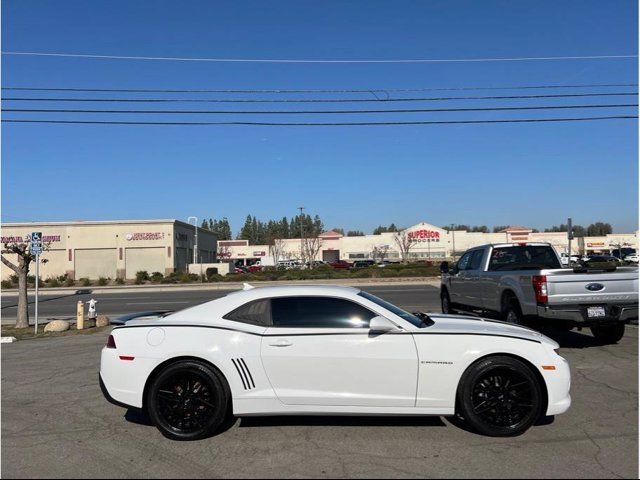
[
  {"x": 444, "y": 267},
  {"x": 382, "y": 325}
]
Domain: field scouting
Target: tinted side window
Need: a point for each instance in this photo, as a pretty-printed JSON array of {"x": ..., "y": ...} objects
[
  {"x": 463, "y": 263},
  {"x": 319, "y": 312},
  {"x": 476, "y": 260},
  {"x": 253, "y": 313}
]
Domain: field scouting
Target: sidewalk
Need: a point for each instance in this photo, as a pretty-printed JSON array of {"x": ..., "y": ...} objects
[{"x": 363, "y": 282}]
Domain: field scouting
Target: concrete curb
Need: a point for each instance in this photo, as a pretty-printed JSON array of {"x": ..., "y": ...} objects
[{"x": 363, "y": 282}]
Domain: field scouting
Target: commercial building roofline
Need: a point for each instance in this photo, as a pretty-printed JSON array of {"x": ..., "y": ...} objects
[{"x": 102, "y": 222}]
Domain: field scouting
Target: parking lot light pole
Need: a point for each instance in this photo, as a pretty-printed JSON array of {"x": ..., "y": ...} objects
[
  {"x": 453, "y": 237},
  {"x": 195, "y": 242},
  {"x": 301, "y": 236}
]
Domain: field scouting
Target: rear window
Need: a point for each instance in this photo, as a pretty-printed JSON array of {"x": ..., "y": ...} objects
[{"x": 523, "y": 257}]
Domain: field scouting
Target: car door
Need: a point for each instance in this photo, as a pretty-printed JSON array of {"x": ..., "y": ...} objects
[
  {"x": 457, "y": 280},
  {"x": 320, "y": 351},
  {"x": 473, "y": 288}
]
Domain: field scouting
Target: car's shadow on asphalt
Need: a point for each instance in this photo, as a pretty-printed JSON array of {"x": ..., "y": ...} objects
[
  {"x": 340, "y": 421},
  {"x": 573, "y": 338}
]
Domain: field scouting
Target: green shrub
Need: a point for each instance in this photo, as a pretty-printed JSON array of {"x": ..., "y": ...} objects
[
  {"x": 52, "y": 282},
  {"x": 211, "y": 272},
  {"x": 119, "y": 281},
  {"x": 85, "y": 282},
  {"x": 6, "y": 284},
  {"x": 156, "y": 277},
  {"x": 13, "y": 279},
  {"x": 69, "y": 282},
  {"x": 103, "y": 281},
  {"x": 141, "y": 277},
  {"x": 189, "y": 277}
]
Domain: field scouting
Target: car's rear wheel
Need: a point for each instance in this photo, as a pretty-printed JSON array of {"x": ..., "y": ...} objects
[
  {"x": 188, "y": 400},
  {"x": 445, "y": 302},
  {"x": 500, "y": 397},
  {"x": 609, "y": 334}
]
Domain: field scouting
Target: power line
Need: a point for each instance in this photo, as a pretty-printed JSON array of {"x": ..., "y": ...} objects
[
  {"x": 313, "y": 100},
  {"x": 336, "y": 124},
  {"x": 354, "y": 61},
  {"x": 370, "y": 90},
  {"x": 299, "y": 112}
]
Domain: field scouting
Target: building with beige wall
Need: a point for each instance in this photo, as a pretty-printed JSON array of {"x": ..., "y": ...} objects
[
  {"x": 113, "y": 249},
  {"x": 428, "y": 242}
]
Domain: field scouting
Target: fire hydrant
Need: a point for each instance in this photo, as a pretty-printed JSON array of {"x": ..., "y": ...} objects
[
  {"x": 92, "y": 309},
  {"x": 80, "y": 315}
]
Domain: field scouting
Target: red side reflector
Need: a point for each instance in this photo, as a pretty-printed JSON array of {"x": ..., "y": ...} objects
[
  {"x": 548, "y": 367},
  {"x": 127, "y": 359},
  {"x": 111, "y": 342}
]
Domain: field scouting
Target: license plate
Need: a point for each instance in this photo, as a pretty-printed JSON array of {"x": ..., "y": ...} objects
[{"x": 596, "y": 312}]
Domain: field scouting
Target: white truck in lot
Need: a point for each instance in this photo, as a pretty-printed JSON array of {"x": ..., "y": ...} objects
[{"x": 525, "y": 283}]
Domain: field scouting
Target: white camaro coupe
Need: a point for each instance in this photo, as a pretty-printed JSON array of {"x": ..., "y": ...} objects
[{"x": 325, "y": 350}]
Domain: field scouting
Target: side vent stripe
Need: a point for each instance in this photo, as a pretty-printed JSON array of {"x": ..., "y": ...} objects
[
  {"x": 248, "y": 372},
  {"x": 244, "y": 384}
]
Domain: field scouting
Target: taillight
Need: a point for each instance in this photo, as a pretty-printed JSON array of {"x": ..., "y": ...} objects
[
  {"x": 111, "y": 342},
  {"x": 540, "y": 288}
]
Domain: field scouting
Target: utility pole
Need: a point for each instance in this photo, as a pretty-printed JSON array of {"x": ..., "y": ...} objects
[{"x": 301, "y": 235}]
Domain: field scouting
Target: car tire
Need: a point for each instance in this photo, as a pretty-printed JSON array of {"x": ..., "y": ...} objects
[
  {"x": 609, "y": 334},
  {"x": 511, "y": 311},
  {"x": 188, "y": 400},
  {"x": 500, "y": 396},
  {"x": 445, "y": 303}
]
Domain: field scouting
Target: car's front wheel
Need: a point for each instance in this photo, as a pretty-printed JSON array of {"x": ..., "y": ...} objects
[
  {"x": 500, "y": 397},
  {"x": 609, "y": 334},
  {"x": 188, "y": 400}
]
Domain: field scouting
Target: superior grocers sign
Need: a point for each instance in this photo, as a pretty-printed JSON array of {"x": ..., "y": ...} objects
[{"x": 425, "y": 236}]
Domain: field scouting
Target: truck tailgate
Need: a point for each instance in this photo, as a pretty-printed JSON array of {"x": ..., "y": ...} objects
[{"x": 567, "y": 287}]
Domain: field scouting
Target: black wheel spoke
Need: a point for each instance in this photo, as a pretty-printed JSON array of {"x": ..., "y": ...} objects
[
  {"x": 503, "y": 397},
  {"x": 184, "y": 402}
]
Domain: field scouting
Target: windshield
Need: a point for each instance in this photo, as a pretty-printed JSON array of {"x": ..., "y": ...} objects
[{"x": 409, "y": 317}]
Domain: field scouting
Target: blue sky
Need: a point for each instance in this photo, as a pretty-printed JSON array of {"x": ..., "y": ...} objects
[{"x": 353, "y": 177}]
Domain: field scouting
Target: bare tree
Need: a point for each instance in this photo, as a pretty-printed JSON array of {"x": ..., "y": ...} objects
[
  {"x": 25, "y": 257},
  {"x": 276, "y": 249},
  {"x": 380, "y": 252},
  {"x": 405, "y": 242},
  {"x": 310, "y": 248}
]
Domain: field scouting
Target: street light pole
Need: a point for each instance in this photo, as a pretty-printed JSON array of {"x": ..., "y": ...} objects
[
  {"x": 195, "y": 243},
  {"x": 453, "y": 237},
  {"x": 301, "y": 235}
]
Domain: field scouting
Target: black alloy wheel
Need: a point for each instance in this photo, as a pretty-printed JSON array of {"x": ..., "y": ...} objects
[
  {"x": 500, "y": 396},
  {"x": 188, "y": 400}
]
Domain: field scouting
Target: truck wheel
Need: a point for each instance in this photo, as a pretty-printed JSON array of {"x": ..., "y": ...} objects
[
  {"x": 511, "y": 312},
  {"x": 445, "y": 302},
  {"x": 609, "y": 334}
]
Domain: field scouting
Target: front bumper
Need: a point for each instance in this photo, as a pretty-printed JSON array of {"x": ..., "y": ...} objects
[{"x": 577, "y": 314}]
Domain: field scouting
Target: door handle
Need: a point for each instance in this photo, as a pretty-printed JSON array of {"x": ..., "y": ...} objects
[{"x": 281, "y": 343}]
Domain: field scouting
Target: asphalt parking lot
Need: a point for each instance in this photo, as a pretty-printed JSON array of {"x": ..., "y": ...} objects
[{"x": 55, "y": 423}]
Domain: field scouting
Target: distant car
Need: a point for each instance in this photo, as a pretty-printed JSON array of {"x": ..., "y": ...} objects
[
  {"x": 240, "y": 269},
  {"x": 148, "y": 315},
  {"x": 632, "y": 258},
  {"x": 363, "y": 263},
  {"x": 340, "y": 264},
  {"x": 566, "y": 260},
  {"x": 602, "y": 259},
  {"x": 254, "y": 268},
  {"x": 316, "y": 264},
  {"x": 289, "y": 264}
]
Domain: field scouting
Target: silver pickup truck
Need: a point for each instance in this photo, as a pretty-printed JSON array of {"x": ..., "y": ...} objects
[{"x": 525, "y": 282}]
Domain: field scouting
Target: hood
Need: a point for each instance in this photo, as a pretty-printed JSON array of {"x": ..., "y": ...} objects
[{"x": 469, "y": 324}]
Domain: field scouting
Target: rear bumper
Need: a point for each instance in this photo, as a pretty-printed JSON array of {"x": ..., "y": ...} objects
[
  {"x": 578, "y": 313},
  {"x": 108, "y": 396}
]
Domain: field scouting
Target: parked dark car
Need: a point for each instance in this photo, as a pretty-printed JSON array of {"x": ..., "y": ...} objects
[
  {"x": 363, "y": 263},
  {"x": 340, "y": 264},
  {"x": 602, "y": 259}
]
